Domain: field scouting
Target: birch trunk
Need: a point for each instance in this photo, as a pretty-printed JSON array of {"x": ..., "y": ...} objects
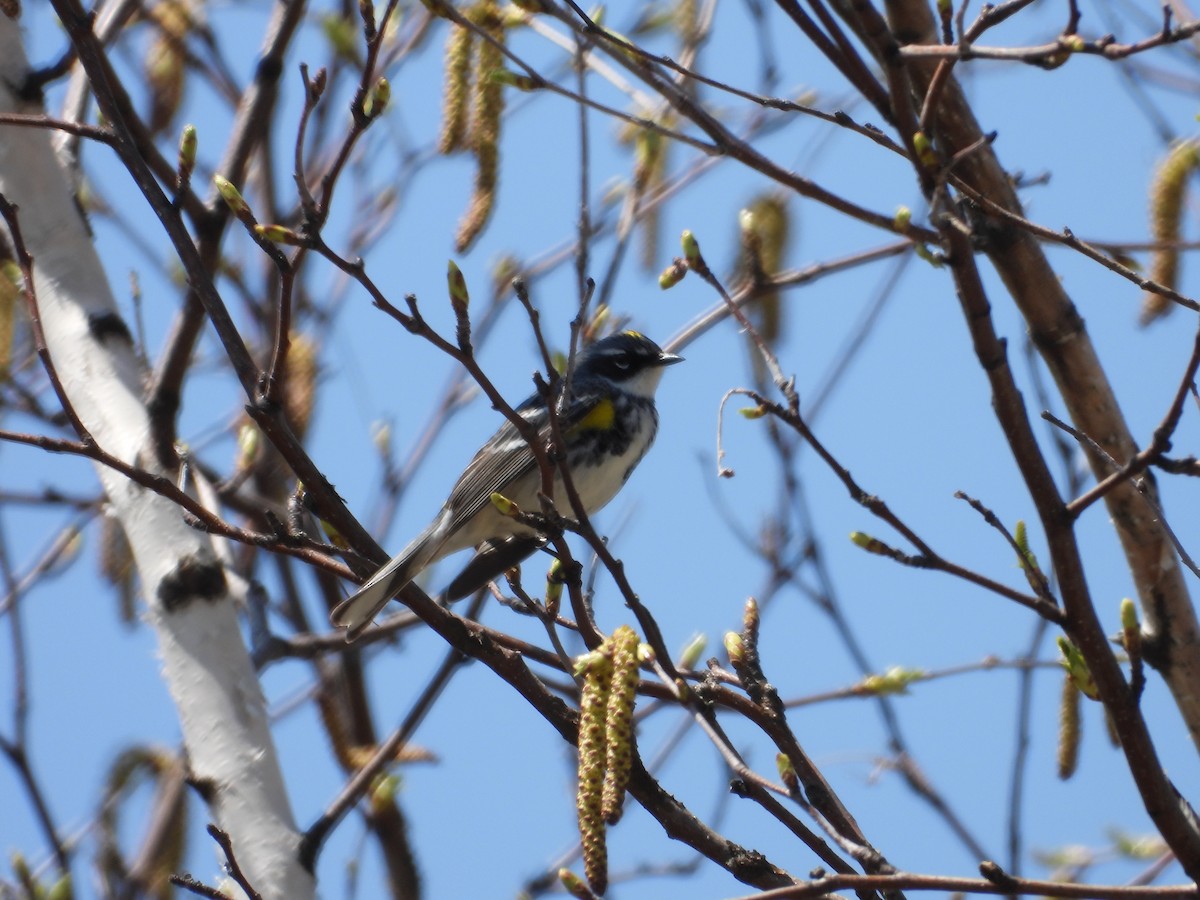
[{"x": 222, "y": 712}]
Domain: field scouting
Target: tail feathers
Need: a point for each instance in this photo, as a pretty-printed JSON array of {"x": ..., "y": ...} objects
[{"x": 357, "y": 611}]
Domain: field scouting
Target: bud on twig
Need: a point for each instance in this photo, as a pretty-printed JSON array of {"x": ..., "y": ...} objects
[
  {"x": 513, "y": 79},
  {"x": 574, "y": 885},
  {"x": 692, "y": 652},
  {"x": 378, "y": 98},
  {"x": 460, "y": 300},
  {"x": 734, "y": 648},
  {"x": 234, "y": 200},
  {"x": 672, "y": 274},
  {"x": 188, "y": 142},
  {"x": 926, "y": 155},
  {"x": 1077, "y": 668},
  {"x": 787, "y": 772},
  {"x": 279, "y": 234},
  {"x": 870, "y": 544},
  {"x": 504, "y": 506},
  {"x": 691, "y": 247}
]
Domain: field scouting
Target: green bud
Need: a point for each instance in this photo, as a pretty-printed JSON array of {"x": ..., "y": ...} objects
[
  {"x": 787, "y": 772},
  {"x": 248, "y": 443},
  {"x": 1138, "y": 847},
  {"x": 231, "y": 195},
  {"x": 187, "y": 149},
  {"x": 513, "y": 79},
  {"x": 691, "y": 247},
  {"x": 571, "y": 882},
  {"x": 753, "y": 412},
  {"x": 1077, "y": 669},
  {"x": 928, "y": 255},
  {"x": 1129, "y": 617},
  {"x": 868, "y": 543},
  {"x": 902, "y": 219},
  {"x": 672, "y": 274},
  {"x": 504, "y": 506},
  {"x": 1021, "y": 537},
  {"x": 1131, "y": 632},
  {"x": 894, "y": 681},
  {"x": 278, "y": 234},
  {"x": 734, "y": 647},
  {"x": 682, "y": 690},
  {"x": 61, "y": 889},
  {"x": 693, "y": 651},
  {"x": 924, "y": 149},
  {"x": 377, "y": 98},
  {"x": 460, "y": 299}
]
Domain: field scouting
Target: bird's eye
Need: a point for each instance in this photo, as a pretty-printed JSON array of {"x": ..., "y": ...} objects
[{"x": 622, "y": 363}]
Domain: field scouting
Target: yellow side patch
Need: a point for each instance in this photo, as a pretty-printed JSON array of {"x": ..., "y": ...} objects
[{"x": 599, "y": 418}]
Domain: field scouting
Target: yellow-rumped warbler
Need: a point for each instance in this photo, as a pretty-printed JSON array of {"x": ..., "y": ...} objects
[{"x": 608, "y": 424}]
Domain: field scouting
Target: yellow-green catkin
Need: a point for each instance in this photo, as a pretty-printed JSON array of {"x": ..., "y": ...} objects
[
  {"x": 766, "y": 228},
  {"x": 300, "y": 388},
  {"x": 687, "y": 21},
  {"x": 1168, "y": 193},
  {"x": 456, "y": 111},
  {"x": 619, "y": 722},
  {"x": 1068, "y": 729},
  {"x": 649, "y": 173},
  {"x": 10, "y": 296},
  {"x": 593, "y": 712},
  {"x": 134, "y": 766},
  {"x": 165, "y": 65},
  {"x": 487, "y": 109}
]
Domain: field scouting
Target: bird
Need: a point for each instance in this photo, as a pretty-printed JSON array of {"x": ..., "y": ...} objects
[{"x": 608, "y": 423}]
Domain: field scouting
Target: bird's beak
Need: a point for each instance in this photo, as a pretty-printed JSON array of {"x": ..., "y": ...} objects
[{"x": 669, "y": 359}]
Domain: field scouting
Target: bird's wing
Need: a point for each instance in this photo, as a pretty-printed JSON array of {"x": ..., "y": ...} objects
[{"x": 506, "y": 456}]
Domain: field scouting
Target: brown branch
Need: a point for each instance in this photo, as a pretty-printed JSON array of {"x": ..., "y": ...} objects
[
  {"x": 1053, "y": 52},
  {"x": 999, "y": 883}
]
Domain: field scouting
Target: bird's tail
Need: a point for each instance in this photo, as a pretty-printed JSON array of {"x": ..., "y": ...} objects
[{"x": 356, "y": 611}]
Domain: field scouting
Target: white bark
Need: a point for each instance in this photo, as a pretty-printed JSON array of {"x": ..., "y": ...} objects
[{"x": 222, "y": 711}]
